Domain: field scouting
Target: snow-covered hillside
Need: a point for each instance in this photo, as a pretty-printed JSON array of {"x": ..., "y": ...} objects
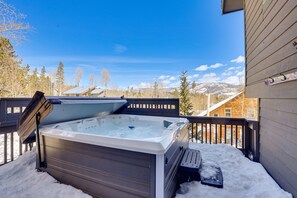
[{"x": 216, "y": 88}]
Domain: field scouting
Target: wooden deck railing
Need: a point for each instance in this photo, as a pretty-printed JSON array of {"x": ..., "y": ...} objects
[
  {"x": 214, "y": 130},
  {"x": 10, "y": 146},
  {"x": 152, "y": 106},
  {"x": 238, "y": 132}
]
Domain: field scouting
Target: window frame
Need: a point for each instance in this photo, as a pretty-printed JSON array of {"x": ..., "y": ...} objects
[{"x": 229, "y": 112}]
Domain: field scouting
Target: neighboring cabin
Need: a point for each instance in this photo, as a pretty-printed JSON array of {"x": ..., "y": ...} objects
[
  {"x": 237, "y": 106},
  {"x": 271, "y": 73}
]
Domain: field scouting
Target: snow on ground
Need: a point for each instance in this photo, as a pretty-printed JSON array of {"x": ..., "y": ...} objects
[
  {"x": 242, "y": 178},
  {"x": 20, "y": 179}
]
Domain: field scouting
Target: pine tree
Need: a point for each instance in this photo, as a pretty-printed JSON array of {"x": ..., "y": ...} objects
[
  {"x": 44, "y": 81},
  {"x": 34, "y": 82},
  {"x": 185, "y": 105},
  {"x": 60, "y": 79},
  {"x": 10, "y": 70}
]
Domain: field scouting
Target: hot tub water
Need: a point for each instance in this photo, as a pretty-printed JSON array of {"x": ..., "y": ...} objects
[{"x": 120, "y": 126}]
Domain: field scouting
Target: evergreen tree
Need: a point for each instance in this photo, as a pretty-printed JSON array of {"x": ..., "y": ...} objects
[
  {"x": 60, "y": 79},
  {"x": 44, "y": 81},
  {"x": 10, "y": 71},
  {"x": 34, "y": 82},
  {"x": 175, "y": 93},
  {"x": 139, "y": 93},
  {"x": 185, "y": 105}
]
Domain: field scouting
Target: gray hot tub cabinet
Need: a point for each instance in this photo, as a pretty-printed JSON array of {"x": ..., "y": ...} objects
[{"x": 103, "y": 171}]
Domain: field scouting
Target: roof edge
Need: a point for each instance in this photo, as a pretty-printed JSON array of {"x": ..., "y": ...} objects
[{"x": 238, "y": 7}]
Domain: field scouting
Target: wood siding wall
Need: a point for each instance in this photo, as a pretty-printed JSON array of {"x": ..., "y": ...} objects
[
  {"x": 270, "y": 30},
  {"x": 278, "y": 141}
]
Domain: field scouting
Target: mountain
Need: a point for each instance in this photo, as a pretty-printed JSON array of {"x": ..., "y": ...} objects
[{"x": 216, "y": 88}]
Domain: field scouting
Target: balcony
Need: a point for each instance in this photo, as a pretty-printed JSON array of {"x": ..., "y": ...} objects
[{"x": 203, "y": 131}]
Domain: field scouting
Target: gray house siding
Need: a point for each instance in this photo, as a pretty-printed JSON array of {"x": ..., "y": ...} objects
[
  {"x": 270, "y": 30},
  {"x": 278, "y": 140}
]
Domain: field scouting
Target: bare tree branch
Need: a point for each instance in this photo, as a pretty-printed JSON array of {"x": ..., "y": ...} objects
[{"x": 12, "y": 23}]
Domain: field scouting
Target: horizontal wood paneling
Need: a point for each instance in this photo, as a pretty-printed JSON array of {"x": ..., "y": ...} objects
[
  {"x": 269, "y": 49},
  {"x": 274, "y": 17},
  {"x": 278, "y": 147},
  {"x": 251, "y": 12},
  {"x": 287, "y": 64},
  {"x": 256, "y": 13},
  {"x": 278, "y": 140},
  {"x": 249, "y": 4},
  {"x": 277, "y": 51},
  {"x": 281, "y": 34},
  {"x": 268, "y": 6},
  {"x": 253, "y": 22},
  {"x": 287, "y": 134},
  {"x": 283, "y": 118},
  {"x": 284, "y": 90},
  {"x": 277, "y": 173},
  {"x": 287, "y": 105}
]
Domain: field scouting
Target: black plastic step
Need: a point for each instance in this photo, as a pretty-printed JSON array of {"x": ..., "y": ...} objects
[
  {"x": 191, "y": 160},
  {"x": 189, "y": 166},
  {"x": 215, "y": 180}
]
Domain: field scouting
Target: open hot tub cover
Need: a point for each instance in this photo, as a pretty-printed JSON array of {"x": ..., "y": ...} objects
[{"x": 61, "y": 109}]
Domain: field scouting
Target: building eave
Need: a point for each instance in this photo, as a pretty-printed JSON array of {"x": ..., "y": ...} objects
[{"x": 229, "y": 6}]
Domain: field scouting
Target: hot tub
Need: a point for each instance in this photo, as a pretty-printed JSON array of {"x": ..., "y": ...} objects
[
  {"x": 112, "y": 155},
  {"x": 145, "y": 134}
]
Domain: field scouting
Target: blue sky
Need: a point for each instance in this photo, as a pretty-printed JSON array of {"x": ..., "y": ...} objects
[{"x": 137, "y": 41}]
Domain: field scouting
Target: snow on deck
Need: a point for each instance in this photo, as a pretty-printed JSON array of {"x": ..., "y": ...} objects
[
  {"x": 20, "y": 179},
  {"x": 242, "y": 178}
]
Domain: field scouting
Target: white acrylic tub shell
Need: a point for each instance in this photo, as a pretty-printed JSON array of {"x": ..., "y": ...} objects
[{"x": 145, "y": 134}]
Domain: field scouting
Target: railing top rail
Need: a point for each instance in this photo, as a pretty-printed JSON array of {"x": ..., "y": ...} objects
[
  {"x": 152, "y": 98},
  {"x": 215, "y": 120},
  {"x": 15, "y": 99}
]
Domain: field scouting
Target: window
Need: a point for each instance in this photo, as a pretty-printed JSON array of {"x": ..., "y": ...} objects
[
  {"x": 228, "y": 112},
  {"x": 215, "y": 115}
]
